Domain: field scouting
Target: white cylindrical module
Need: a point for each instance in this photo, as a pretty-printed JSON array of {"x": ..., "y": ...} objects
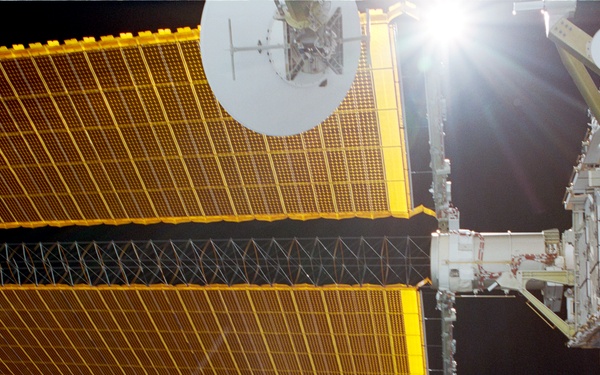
[{"x": 463, "y": 261}]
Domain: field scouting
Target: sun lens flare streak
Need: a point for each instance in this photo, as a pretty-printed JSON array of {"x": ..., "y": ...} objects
[{"x": 445, "y": 21}]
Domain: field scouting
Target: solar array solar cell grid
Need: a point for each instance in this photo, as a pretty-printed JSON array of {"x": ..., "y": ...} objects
[
  {"x": 127, "y": 130},
  {"x": 211, "y": 330}
]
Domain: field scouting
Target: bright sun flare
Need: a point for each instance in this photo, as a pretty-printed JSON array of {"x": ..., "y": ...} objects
[{"x": 445, "y": 21}]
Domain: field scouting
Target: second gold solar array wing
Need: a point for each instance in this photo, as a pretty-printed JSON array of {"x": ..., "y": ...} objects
[{"x": 218, "y": 329}]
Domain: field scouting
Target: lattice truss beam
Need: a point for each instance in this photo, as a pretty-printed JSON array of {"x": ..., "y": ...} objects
[
  {"x": 315, "y": 261},
  {"x": 126, "y": 130}
]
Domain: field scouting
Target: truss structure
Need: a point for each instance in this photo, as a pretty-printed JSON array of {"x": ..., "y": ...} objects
[{"x": 313, "y": 261}]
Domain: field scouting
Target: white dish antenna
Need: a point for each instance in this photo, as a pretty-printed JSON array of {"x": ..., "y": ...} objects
[
  {"x": 280, "y": 67},
  {"x": 595, "y": 49}
]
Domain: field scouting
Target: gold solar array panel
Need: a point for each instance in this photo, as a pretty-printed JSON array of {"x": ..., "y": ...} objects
[
  {"x": 127, "y": 130},
  {"x": 217, "y": 329}
]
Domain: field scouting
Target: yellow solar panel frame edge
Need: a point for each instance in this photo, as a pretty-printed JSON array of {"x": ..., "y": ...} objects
[
  {"x": 90, "y": 43},
  {"x": 388, "y": 102}
]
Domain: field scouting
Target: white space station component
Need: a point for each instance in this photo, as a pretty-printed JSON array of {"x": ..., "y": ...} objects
[
  {"x": 553, "y": 10},
  {"x": 280, "y": 67},
  {"x": 583, "y": 199},
  {"x": 595, "y": 48},
  {"x": 467, "y": 261}
]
